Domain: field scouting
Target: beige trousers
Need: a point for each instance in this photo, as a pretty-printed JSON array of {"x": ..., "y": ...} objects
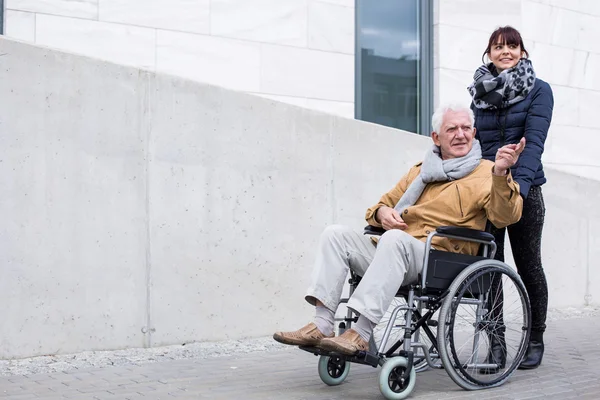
[{"x": 395, "y": 261}]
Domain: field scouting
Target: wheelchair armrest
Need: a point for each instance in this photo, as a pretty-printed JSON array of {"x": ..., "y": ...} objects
[
  {"x": 467, "y": 233},
  {"x": 373, "y": 230}
]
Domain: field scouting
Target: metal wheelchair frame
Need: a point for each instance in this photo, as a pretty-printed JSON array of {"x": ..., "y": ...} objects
[{"x": 444, "y": 277}]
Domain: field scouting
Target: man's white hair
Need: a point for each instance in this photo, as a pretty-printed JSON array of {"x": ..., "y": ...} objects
[{"x": 438, "y": 115}]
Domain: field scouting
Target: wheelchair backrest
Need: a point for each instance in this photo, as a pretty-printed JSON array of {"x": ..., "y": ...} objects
[
  {"x": 440, "y": 268},
  {"x": 443, "y": 267}
]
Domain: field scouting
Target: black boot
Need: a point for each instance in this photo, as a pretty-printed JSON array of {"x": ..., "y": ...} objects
[
  {"x": 535, "y": 352},
  {"x": 496, "y": 354}
]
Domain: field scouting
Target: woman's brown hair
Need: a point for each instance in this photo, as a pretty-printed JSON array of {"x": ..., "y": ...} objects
[{"x": 508, "y": 35}]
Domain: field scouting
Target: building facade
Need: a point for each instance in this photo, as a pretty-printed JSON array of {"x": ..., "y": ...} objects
[{"x": 384, "y": 61}]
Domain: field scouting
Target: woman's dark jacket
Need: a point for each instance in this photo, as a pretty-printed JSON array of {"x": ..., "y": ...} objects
[{"x": 529, "y": 118}]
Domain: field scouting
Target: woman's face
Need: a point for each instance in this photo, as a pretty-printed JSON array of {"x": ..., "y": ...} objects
[{"x": 505, "y": 56}]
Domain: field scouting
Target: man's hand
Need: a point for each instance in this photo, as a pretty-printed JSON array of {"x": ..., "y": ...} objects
[
  {"x": 507, "y": 156},
  {"x": 390, "y": 219}
]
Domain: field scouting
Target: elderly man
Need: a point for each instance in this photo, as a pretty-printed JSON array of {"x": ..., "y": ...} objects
[{"x": 452, "y": 186}]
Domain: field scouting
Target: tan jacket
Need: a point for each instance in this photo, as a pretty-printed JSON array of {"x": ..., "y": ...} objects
[{"x": 468, "y": 202}]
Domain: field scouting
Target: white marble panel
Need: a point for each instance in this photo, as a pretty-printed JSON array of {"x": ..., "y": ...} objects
[
  {"x": 584, "y": 67},
  {"x": 179, "y": 15},
  {"x": 340, "y": 108},
  {"x": 578, "y": 68},
  {"x": 20, "y": 25},
  {"x": 330, "y": 27},
  {"x": 591, "y": 7},
  {"x": 574, "y": 5},
  {"x": 482, "y": 15},
  {"x": 225, "y": 62},
  {"x": 588, "y": 33},
  {"x": 564, "y": 28},
  {"x": 572, "y": 145},
  {"x": 591, "y": 76},
  {"x": 541, "y": 27},
  {"x": 345, "y": 3},
  {"x": 552, "y": 63},
  {"x": 69, "y": 8},
  {"x": 436, "y": 12},
  {"x": 299, "y": 72},
  {"x": 436, "y": 88},
  {"x": 460, "y": 48},
  {"x": 113, "y": 42},
  {"x": 436, "y": 46},
  {"x": 589, "y": 100},
  {"x": 270, "y": 21},
  {"x": 452, "y": 86},
  {"x": 566, "y": 105}
]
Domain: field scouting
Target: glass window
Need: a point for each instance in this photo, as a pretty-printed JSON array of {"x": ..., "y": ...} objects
[{"x": 393, "y": 63}]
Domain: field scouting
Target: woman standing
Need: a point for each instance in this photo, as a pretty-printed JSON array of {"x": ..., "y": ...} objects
[{"x": 510, "y": 103}]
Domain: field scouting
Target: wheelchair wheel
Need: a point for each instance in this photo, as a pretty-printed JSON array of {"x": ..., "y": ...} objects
[
  {"x": 391, "y": 384},
  {"x": 333, "y": 370},
  {"x": 484, "y": 325}
]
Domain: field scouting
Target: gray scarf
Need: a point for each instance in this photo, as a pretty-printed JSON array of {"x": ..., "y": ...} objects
[
  {"x": 434, "y": 169},
  {"x": 509, "y": 87}
]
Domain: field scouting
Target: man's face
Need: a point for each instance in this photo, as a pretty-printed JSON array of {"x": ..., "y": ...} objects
[{"x": 455, "y": 138}]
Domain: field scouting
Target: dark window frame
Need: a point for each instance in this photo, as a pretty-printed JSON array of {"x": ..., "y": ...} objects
[
  {"x": 1, "y": 17},
  {"x": 426, "y": 67}
]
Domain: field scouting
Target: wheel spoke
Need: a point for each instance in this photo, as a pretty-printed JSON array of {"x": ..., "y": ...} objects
[{"x": 395, "y": 379}]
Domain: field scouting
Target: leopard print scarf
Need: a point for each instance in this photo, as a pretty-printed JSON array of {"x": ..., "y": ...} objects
[{"x": 507, "y": 88}]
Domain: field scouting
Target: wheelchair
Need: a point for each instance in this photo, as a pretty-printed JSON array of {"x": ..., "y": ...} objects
[{"x": 478, "y": 305}]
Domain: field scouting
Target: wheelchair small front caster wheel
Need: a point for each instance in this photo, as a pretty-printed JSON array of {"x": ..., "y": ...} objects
[
  {"x": 391, "y": 384},
  {"x": 333, "y": 370}
]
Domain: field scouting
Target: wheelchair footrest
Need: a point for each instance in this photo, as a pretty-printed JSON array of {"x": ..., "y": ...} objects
[
  {"x": 362, "y": 357},
  {"x": 366, "y": 358}
]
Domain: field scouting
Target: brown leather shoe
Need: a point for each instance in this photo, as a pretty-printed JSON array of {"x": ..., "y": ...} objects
[
  {"x": 348, "y": 343},
  {"x": 309, "y": 335}
]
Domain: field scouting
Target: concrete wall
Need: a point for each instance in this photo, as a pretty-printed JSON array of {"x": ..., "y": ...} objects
[
  {"x": 142, "y": 209},
  {"x": 571, "y": 242},
  {"x": 562, "y": 39},
  {"x": 247, "y": 45},
  {"x": 139, "y": 202}
]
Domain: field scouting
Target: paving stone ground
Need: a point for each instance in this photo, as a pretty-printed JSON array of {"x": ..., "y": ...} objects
[{"x": 569, "y": 371}]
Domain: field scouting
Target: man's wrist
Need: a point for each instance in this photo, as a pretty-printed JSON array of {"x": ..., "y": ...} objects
[
  {"x": 499, "y": 172},
  {"x": 376, "y": 215}
]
